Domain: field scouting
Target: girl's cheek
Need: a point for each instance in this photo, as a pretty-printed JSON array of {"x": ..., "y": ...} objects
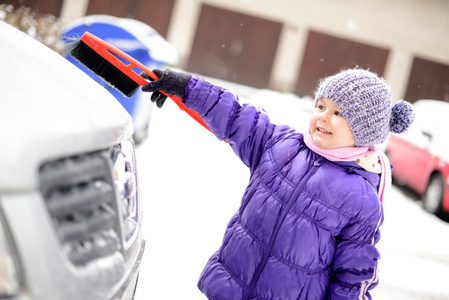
[{"x": 312, "y": 121}]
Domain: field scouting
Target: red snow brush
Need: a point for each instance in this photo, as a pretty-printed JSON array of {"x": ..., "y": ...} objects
[{"x": 118, "y": 69}]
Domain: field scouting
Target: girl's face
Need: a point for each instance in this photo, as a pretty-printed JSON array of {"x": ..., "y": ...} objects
[{"x": 328, "y": 128}]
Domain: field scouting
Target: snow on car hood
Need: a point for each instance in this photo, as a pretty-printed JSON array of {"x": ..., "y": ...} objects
[{"x": 49, "y": 109}]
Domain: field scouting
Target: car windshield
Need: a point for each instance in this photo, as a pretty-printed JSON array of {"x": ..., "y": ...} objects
[{"x": 428, "y": 130}]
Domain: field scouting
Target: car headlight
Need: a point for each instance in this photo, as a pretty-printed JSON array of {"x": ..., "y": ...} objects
[
  {"x": 125, "y": 177},
  {"x": 9, "y": 281}
]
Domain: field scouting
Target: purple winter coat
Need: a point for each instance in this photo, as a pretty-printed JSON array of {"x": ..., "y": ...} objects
[{"x": 306, "y": 227}]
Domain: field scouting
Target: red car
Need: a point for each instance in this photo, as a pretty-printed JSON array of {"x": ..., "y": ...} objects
[{"x": 420, "y": 156}]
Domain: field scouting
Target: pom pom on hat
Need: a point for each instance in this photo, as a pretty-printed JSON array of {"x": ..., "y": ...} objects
[
  {"x": 402, "y": 117},
  {"x": 365, "y": 100}
]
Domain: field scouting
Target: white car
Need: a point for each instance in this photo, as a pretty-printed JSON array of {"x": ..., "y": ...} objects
[{"x": 70, "y": 221}]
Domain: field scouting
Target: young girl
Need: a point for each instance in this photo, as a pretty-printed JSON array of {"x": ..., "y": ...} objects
[{"x": 309, "y": 218}]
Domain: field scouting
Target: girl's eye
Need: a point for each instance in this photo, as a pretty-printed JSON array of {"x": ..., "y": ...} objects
[
  {"x": 320, "y": 107},
  {"x": 337, "y": 113}
]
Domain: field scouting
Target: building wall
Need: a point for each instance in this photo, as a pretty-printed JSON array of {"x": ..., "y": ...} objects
[{"x": 408, "y": 28}]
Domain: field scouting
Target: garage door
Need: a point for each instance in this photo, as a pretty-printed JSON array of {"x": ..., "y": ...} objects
[
  {"x": 234, "y": 46},
  {"x": 428, "y": 80},
  {"x": 44, "y": 7},
  {"x": 326, "y": 55}
]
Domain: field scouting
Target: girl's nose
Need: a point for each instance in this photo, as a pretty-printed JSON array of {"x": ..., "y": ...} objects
[{"x": 324, "y": 116}]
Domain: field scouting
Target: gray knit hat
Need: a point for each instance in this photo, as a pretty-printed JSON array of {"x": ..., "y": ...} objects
[{"x": 365, "y": 100}]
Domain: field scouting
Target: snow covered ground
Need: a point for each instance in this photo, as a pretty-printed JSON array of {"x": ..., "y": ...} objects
[{"x": 191, "y": 185}]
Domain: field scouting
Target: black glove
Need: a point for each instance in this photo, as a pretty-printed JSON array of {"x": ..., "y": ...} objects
[{"x": 170, "y": 82}]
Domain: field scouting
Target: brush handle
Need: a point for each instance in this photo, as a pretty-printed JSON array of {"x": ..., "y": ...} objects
[
  {"x": 178, "y": 101},
  {"x": 110, "y": 53}
]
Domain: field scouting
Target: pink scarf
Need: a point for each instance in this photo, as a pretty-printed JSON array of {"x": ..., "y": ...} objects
[
  {"x": 337, "y": 154},
  {"x": 352, "y": 154}
]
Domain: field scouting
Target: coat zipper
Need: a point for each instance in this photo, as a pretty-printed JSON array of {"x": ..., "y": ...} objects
[{"x": 247, "y": 293}]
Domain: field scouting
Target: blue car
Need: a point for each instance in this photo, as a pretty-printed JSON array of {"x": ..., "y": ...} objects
[{"x": 138, "y": 40}]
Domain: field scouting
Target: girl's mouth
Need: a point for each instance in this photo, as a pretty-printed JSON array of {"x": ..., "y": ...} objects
[{"x": 323, "y": 130}]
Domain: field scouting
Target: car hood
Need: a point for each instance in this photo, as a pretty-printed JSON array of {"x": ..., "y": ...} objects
[{"x": 49, "y": 109}]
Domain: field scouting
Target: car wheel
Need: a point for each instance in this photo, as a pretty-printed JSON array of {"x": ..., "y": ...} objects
[{"x": 433, "y": 197}]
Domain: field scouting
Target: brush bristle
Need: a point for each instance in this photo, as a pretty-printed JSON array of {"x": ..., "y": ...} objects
[{"x": 103, "y": 68}]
